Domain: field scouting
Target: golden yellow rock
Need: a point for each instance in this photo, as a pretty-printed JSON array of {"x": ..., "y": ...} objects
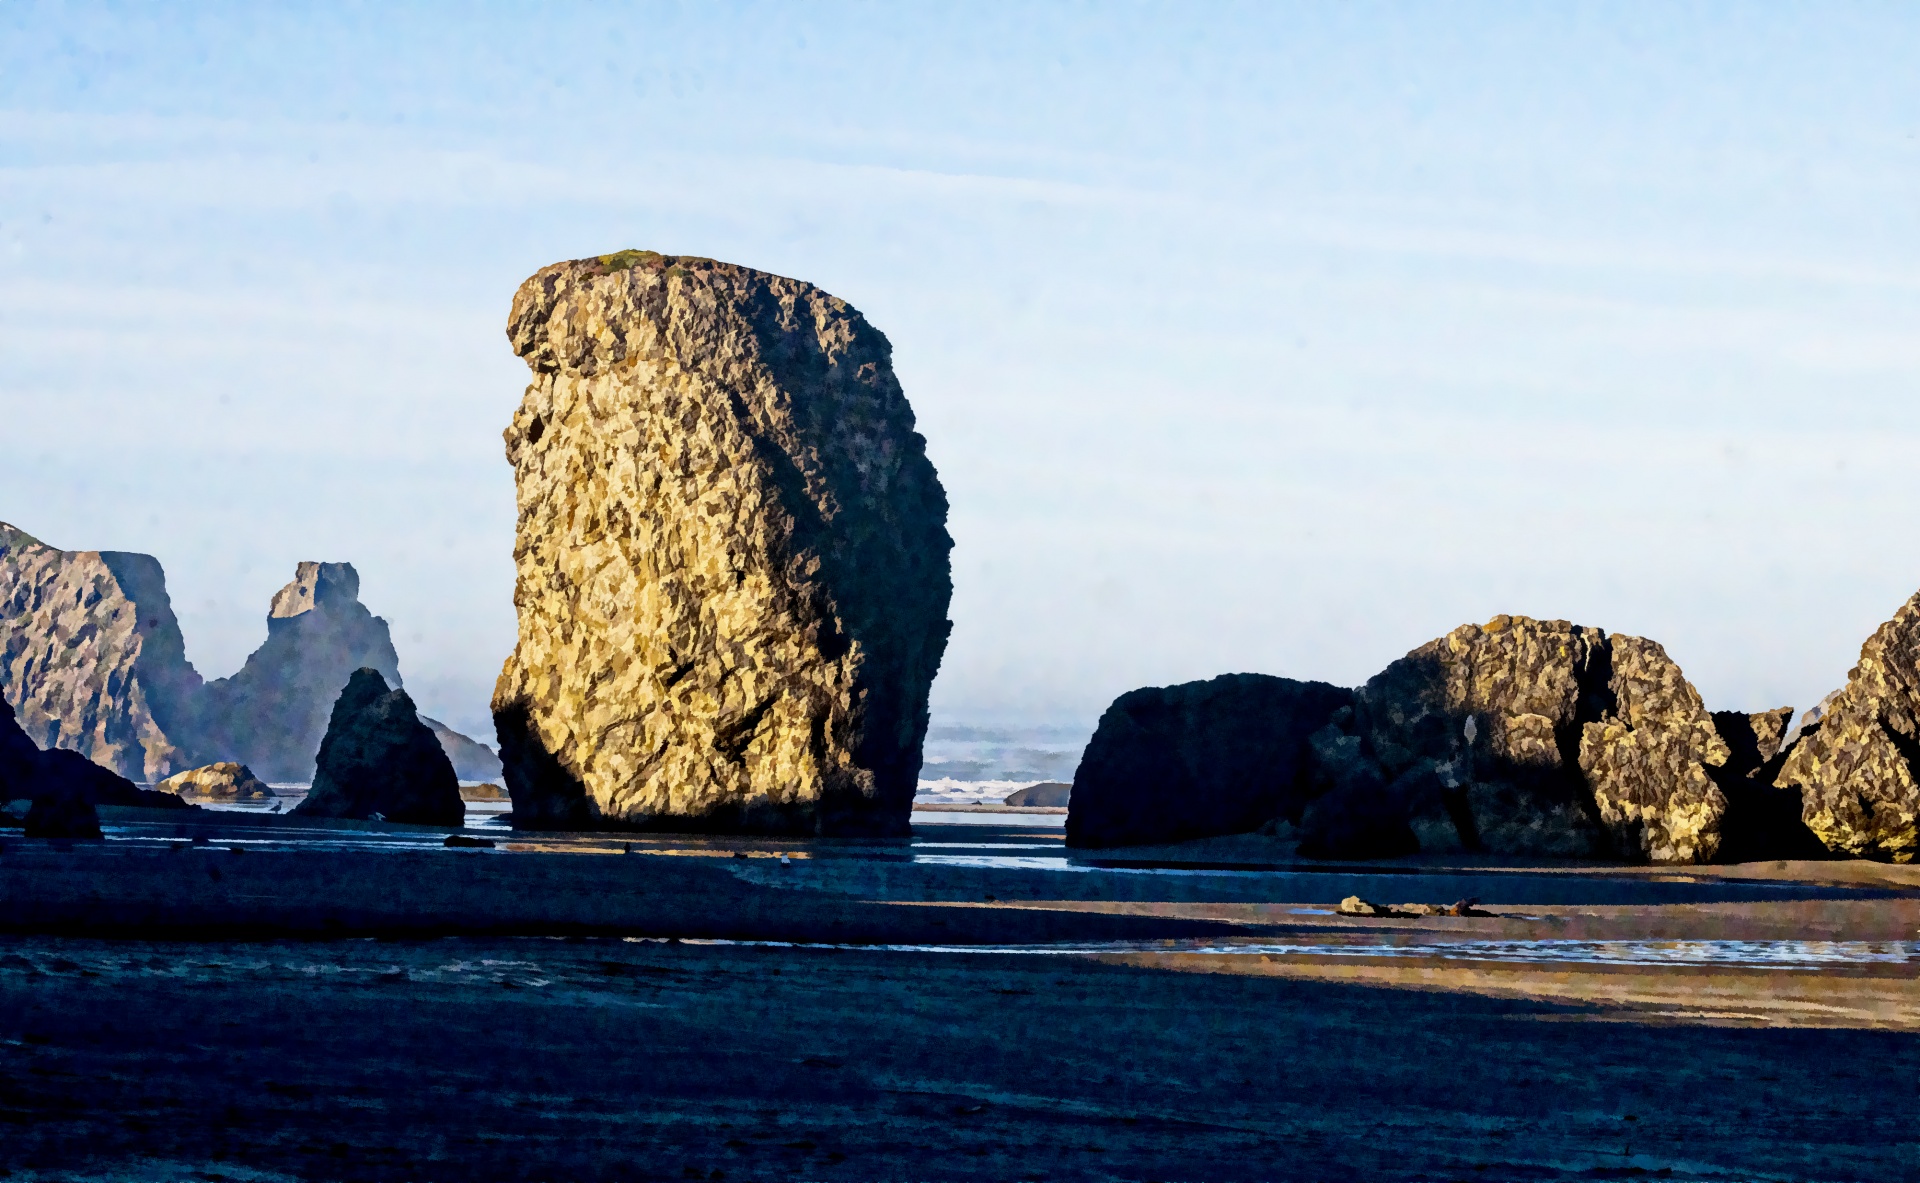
[
  {"x": 225, "y": 781},
  {"x": 1855, "y": 767},
  {"x": 732, "y": 557}
]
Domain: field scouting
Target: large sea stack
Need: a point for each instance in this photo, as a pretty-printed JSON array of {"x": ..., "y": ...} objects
[
  {"x": 1857, "y": 766},
  {"x": 272, "y": 715},
  {"x": 379, "y": 758},
  {"x": 91, "y": 657},
  {"x": 732, "y": 557}
]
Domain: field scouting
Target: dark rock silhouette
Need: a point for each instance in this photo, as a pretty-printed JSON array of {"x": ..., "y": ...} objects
[
  {"x": 272, "y": 714},
  {"x": 472, "y": 760},
  {"x": 378, "y": 757},
  {"x": 64, "y": 786},
  {"x": 732, "y": 557},
  {"x": 1197, "y": 760},
  {"x": 91, "y": 656},
  {"x": 1047, "y": 794},
  {"x": 1763, "y": 819},
  {"x": 62, "y": 815}
]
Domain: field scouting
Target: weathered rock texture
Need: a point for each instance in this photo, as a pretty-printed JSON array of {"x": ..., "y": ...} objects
[
  {"x": 272, "y": 714},
  {"x": 732, "y": 557},
  {"x": 225, "y": 781},
  {"x": 1857, "y": 766},
  {"x": 472, "y": 760},
  {"x": 91, "y": 656},
  {"x": 1196, "y": 760},
  {"x": 378, "y": 757},
  {"x": 1526, "y": 737}
]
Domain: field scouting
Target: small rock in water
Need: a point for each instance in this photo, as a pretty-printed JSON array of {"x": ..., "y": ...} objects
[
  {"x": 1353, "y": 905},
  {"x": 463, "y": 840}
]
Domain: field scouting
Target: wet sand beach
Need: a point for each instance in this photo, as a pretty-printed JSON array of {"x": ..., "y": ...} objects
[{"x": 360, "y": 1002}]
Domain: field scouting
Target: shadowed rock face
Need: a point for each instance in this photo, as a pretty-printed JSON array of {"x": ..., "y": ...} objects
[
  {"x": 63, "y": 785},
  {"x": 732, "y": 557},
  {"x": 272, "y": 714},
  {"x": 1196, "y": 760},
  {"x": 91, "y": 656},
  {"x": 1530, "y": 737},
  {"x": 1763, "y": 820},
  {"x": 378, "y": 757},
  {"x": 1857, "y": 766}
]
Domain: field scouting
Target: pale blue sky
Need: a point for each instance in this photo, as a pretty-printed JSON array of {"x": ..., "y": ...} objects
[{"x": 1259, "y": 337}]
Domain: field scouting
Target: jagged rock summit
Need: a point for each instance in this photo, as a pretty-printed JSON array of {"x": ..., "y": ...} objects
[
  {"x": 272, "y": 714},
  {"x": 378, "y": 757},
  {"x": 91, "y": 656},
  {"x": 1857, "y": 763},
  {"x": 732, "y": 556}
]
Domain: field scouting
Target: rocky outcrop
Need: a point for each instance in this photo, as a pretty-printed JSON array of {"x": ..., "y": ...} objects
[
  {"x": 1523, "y": 737},
  {"x": 272, "y": 714},
  {"x": 91, "y": 657},
  {"x": 379, "y": 758},
  {"x": 732, "y": 557},
  {"x": 1197, "y": 760},
  {"x": 225, "y": 781},
  {"x": 1857, "y": 767},
  {"x": 1049, "y": 794},
  {"x": 472, "y": 760}
]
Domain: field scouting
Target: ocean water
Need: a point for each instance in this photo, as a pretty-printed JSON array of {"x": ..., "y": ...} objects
[
  {"x": 1792, "y": 955},
  {"x": 965, "y": 765}
]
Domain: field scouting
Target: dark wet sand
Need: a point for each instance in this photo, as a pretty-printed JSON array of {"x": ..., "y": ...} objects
[{"x": 134, "y": 1053}]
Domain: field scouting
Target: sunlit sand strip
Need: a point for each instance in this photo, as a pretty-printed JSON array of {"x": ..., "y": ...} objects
[{"x": 1743, "y": 996}]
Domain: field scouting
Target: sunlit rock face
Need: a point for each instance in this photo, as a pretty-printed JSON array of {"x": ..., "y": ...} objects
[
  {"x": 224, "y": 781},
  {"x": 732, "y": 557},
  {"x": 1540, "y": 737},
  {"x": 378, "y": 758},
  {"x": 1857, "y": 766},
  {"x": 91, "y": 657},
  {"x": 272, "y": 715}
]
